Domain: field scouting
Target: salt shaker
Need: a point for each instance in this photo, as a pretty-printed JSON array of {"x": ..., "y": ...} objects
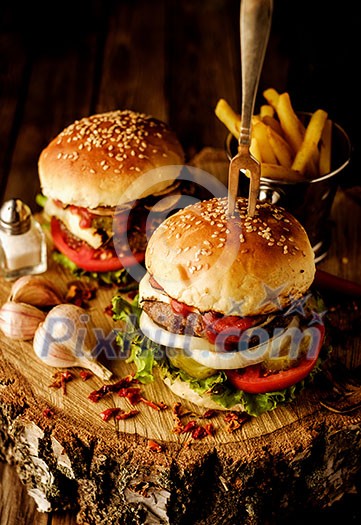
[{"x": 22, "y": 241}]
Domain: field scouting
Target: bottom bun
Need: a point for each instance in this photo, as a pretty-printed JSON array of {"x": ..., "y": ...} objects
[{"x": 183, "y": 390}]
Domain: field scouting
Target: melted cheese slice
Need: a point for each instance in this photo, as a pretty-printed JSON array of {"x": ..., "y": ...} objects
[{"x": 72, "y": 222}]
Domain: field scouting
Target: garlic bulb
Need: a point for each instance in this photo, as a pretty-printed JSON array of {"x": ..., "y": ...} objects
[
  {"x": 20, "y": 320},
  {"x": 35, "y": 290},
  {"x": 66, "y": 338}
]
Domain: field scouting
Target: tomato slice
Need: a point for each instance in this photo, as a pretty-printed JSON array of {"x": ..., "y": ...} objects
[
  {"x": 251, "y": 379},
  {"x": 229, "y": 327},
  {"x": 87, "y": 257}
]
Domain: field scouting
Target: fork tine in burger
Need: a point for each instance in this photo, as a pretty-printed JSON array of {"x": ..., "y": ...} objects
[{"x": 229, "y": 302}]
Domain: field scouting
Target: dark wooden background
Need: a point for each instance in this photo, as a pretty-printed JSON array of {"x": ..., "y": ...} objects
[{"x": 172, "y": 59}]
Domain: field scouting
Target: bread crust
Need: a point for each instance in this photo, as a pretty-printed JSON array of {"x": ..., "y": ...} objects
[
  {"x": 96, "y": 161},
  {"x": 235, "y": 266}
]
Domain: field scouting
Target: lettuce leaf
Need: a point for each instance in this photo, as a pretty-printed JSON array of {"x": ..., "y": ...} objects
[
  {"x": 140, "y": 350},
  {"x": 219, "y": 390},
  {"x": 146, "y": 355},
  {"x": 120, "y": 278}
]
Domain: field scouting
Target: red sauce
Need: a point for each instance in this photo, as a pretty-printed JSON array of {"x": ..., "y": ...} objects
[
  {"x": 86, "y": 217},
  {"x": 180, "y": 308},
  {"x": 229, "y": 327}
]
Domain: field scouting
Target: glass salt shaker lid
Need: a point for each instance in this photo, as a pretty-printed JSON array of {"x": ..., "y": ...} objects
[{"x": 15, "y": 217}]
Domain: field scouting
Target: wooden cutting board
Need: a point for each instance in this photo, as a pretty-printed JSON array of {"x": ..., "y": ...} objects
[{"x": 299, "y": 454}]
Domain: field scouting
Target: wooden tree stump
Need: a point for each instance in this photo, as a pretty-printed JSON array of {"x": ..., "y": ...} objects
[{"x": 301, "y": 455}]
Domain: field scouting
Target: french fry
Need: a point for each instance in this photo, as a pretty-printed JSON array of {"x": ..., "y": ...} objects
[
  {"x": 280, "y": 148},
  {"x": 277, "y": 172},
  {"x": 293, "y": 129},
  {"x": 310, "y": 142},
  {"x": 279, "y": 140},
  {"x": 255, "y": 150},
  {"x": 266, "y": 111},
  {"x": 273, "y": 123},
  {"x": 325, "y": 148},
  {"x": 228, "y": 117},
  {"x": 272, "y": 97},
  {"x": 312, "y": 168},
  {"x": 260, "y": 134}
]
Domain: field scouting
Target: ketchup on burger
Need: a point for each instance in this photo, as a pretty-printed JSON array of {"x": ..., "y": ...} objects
[{"x": 226, "y": 302}]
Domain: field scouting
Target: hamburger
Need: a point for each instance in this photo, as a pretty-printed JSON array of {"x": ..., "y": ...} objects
[
  {"x": 89, "y": 174},
  {"x": 226, "y": 306}
]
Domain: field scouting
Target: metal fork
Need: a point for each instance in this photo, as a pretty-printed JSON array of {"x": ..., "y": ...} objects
[{"x": 255, "y": 24}]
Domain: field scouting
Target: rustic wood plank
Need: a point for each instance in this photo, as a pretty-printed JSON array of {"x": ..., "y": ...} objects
[
  {"x": 16, "y": 506},
  {"x": 90, "y": 459},
  {"x": 63, "y": 518},
  {"x": 104, "y": 465},
  {"x": 133, "y": 69},
  {"x": 61, "y": 62},
  {"x": 13, "y": 78},
  {"x": 203, "y": 48},
  {"x": 344, "y": 260}
]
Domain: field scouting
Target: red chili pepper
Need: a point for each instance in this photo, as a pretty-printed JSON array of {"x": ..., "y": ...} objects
[
  {"x": 126, "y": 415},
  {"x": 61, "y": 378},
  {"x": 235, "y": 420},
  {"x": 109, "y": 412},
  {"x": 333, "y": 283},
  {"x": 209, "y": 428},
  {"x": 85, "y": 374},
  {"x": 209, "y": 413},
  {"x": 48, "y": 413},
  {"x": 97, "y": 395},
  {"x": 153, "y": 404},
  {"x": 190, "y": 426},
  {"x": 125, "y": 382},
  {"x": 199, "y": 432},
  {"x": 133, "y": 394}
]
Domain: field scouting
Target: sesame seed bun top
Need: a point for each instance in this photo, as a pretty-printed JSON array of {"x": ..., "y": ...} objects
[
  {"x": 97, "y": 160},
  {"x": 240, "y": 265}
]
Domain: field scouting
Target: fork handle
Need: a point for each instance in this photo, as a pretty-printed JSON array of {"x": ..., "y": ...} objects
[{"x": 255, "y": 25}]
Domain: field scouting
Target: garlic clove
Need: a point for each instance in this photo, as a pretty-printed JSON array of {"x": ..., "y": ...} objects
[
  {"x": 36, "y": 290},
  {"x": 20, "y": 320},
  {"x": 66, "y": 339}
]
